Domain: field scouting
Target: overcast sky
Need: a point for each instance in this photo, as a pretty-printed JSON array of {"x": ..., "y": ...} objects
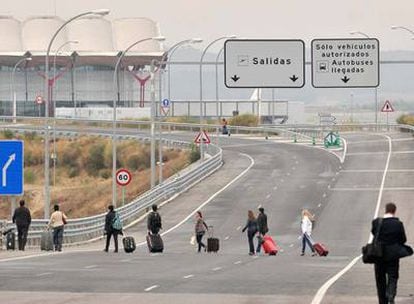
[{"x": 209, "y": 19}]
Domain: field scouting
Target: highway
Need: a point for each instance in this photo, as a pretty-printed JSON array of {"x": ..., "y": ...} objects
[{"x": 283, "y": 178}]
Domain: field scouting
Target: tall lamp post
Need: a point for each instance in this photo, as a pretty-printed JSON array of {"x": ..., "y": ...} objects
[
  {"x": 98, "y": 12},
  {"x": 115, "y": 86},
  {"x": 201, "y": 88},
  {"x": 54, "y": 155},
  {"x": 13, "y": 86},
  {"x": 376, "y": 88},
  {"x": 217, "y": 86},
  {"x": 171, "y": 51}
]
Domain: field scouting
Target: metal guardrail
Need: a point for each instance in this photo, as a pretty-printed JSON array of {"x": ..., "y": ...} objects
[{"x": 84, "y": 229}]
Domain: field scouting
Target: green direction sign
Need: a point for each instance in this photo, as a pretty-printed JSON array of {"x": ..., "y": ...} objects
[{"x": 332, "y": 140}]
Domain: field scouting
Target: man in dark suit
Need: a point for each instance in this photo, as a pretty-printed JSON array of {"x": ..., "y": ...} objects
[
  {"x": 391, "y": 236},
  {"x": 22, "y": 219}
]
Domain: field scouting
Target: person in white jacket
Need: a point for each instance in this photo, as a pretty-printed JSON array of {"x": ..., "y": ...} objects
[{"x": 306, "y": 226}]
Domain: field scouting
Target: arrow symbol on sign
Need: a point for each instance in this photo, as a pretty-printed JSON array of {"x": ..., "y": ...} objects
[
  {"x": 235, "y": 78},
  {"x": 345, "y": 79},
  {"x": 293, "y": 78},
  {"x": 5, "y": 167}
]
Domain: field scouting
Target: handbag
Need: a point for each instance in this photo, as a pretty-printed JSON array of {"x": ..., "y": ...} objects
[{"x": 373, "y": 252}]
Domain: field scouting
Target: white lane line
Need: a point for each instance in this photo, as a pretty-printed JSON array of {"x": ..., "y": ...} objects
[
  {"x": 217, "y": 268},
  {"x": 333, "y": 179},
  {"x": 324, "y": 195},
  {"x": 268, "y": 196},
  {"x": 322, "y": 291},
  {"x": 288, "y": 174},
  {"x": 375, "y": 189},
  {"x": 378, "y": 171},
  {"x": 282, "y": 180},
  {"x": 43, "y": 274},
  {"x": 27, "y": 257},
  {"x": 237, "y": 262},
  {"x": 252, "y": 162},
  {"x": 151, "y": 288},
  {"x": 238, "y": 228},
  {"x": 296, "y": 162},
  {"x": 293, "y": 168},
  {"x": 126, "y": 260},
  {"x": 226, "y": 238},
  {"x": 91, "y": 266},
  {"x": 403, "y": 152},
  {"x": 319, "y": 206},
  {"x": 291, "y": 245},
  {"x": 275, "y": 188},
  {"x": 366, "y": 153},
  {"x": 188, "y": 276}
]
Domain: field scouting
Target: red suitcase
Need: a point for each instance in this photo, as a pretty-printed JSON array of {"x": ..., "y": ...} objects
[
  {"x": 321, "y": 249},
  {"x": 269, "y": 245}
]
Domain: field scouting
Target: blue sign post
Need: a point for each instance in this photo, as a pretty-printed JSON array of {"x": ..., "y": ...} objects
[{"x": 11, "y": 167}]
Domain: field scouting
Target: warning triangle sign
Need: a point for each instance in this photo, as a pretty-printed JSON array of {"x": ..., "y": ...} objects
[
  {"x": 202, "y": 137},
  {"x": 387, "y": 107}
]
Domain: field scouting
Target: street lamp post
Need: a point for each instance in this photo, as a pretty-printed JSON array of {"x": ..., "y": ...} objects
[
  {"x": 115, "y": 86},
  {"x": 13, "y": 86},
  {"x": 170, "y": 52},
  {"x": 376, "y": 88},
  {"x": 217, "y": 86},
  {"x": 201, "y": 89},
  {"x": 99, "y": 12},
  {"x": 54, "y": 108}
]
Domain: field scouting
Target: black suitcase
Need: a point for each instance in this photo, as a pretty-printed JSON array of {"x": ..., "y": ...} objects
[
  {"x": 155, "y": 243},
  {"x": 213, "y": 244},
  {"x": 129, "y": 244},
  {"x": 11, "y": 240}
]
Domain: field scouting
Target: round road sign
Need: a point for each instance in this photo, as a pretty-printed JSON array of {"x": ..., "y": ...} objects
[
  {"x": 39, "y": 99},
  {"x": 166, "y": 103},
  {"x": 123, "y": 177}
]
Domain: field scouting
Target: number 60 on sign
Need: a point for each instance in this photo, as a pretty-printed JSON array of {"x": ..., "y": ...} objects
[{"x": 123, "y": 177}]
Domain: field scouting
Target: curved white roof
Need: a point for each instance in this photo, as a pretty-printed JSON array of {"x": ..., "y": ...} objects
[{"x": 97, "y": 37}]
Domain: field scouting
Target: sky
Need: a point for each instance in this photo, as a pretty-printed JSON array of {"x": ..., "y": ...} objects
[{"x": 276, "y": 19}]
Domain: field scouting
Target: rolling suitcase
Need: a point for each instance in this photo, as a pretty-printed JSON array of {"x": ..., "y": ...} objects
[
  {"x": 11, "y": 240},
  {"x": 155, "y": 243},
  {"x": 46, "y": 241},
  {"x": 269, "y": 245},
  {"x": 320, "y": 249},
  {"x": 213, "y": 244},
  {"x": 129, "y": 244}
]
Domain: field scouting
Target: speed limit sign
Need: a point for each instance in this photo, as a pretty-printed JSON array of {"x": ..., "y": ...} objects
[{"x": 123, "y": 177}]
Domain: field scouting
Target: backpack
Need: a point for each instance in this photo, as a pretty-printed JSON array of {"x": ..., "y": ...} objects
[
  {"x": 155, "y": 221},
  {"x": 116, "y": 222}
]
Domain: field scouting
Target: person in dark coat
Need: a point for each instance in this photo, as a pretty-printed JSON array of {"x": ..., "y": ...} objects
[
  {"x": 22, "y": 219},
  {"x": 262, "y": 227},
  {"x": 109, "y": 229},
  {"x": 251, "y": 227},
  {"x": 154, "y": 223},
  {"x": 392, "y": 236}
]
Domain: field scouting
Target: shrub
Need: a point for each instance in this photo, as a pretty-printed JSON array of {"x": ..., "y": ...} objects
[
  {"x": 95, "y": 159},
  {"x": 29, "y": 176},
  {"x": 30, "y": 135},
  {"x": 73, "y": 172},
  {"x": 194, "y": 154},
  {"x": 8, "y": 134},
  {"x": 246, "y": 120},
  {"x": 70, "y": 155},
  {"x": 406, "y": 119},
  {"x": 105, "y": 173},
  {"x": 133, "y": 162}
]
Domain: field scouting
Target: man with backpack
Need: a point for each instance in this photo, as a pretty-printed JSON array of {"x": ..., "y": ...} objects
[
  {"x": 154, "y": 224},
  {"x": 113, "y": 227}
]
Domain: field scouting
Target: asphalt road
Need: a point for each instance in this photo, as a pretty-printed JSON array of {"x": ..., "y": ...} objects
[{"x": 283, "y": 178}]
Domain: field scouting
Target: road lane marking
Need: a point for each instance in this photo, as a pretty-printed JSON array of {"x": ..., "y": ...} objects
[
  {"x": 226, "y": 238},
  {"x": 324, "y": 195},
  {"x": 252, "y": 162},
  {"x": 319, "y": 205},
  {"x": 322, "y": 291},
  {"x": 237, "y": 262},
  {"x": 43, "y": 274},
  {"x": 291, "y": 245},
  {"x": 238, "y": 228},
  {"x": 188, "y": 276},
  {"x": 282, "y": 180},
  {"x": 375, "y": 189},
  {"x": 126, "y": 260},
  {"x": 91, "y": 266},
  {"x": 275, "y": 188},
  {"x": 151, "y": 288},
  {"x": 378, "y": 171},
  {"x": 293, "y": 168},
  {"x": 217, "y": 268},
  {"x": 268, "y": 196}
]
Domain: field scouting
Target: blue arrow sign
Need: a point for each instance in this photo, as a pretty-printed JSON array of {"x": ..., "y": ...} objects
[
  {"x": 11, "y": 167},
  {"x": 166, "y": 103}
]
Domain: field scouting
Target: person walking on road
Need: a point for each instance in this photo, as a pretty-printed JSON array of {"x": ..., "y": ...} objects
[
  {"x": 200, "y": 229},
  {"x": 262, "y": 227},
  {"x": 306, "y": 226},
  {"x": 57, "y": 222},
  {"x": 252, "y": 229},
  {"x": 22, "y": 219},
  {"x": 224, "y": 128},
  {"x": 113, "y": 227},
  {"x": 392, "y": 237},
  {"x": 154, "y": 223}
]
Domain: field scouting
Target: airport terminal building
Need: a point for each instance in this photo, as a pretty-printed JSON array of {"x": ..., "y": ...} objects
[{"x": 81, "y": 60}]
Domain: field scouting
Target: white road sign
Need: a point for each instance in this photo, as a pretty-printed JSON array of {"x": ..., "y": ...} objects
[
  {"x": 345, "y": 63},
  {"x": 252, "y": 63},
  {"x": 123, "y": 177}
]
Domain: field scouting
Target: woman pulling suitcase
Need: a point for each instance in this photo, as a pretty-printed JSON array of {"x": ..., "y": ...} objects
[{"x": 200, "y": 229}]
